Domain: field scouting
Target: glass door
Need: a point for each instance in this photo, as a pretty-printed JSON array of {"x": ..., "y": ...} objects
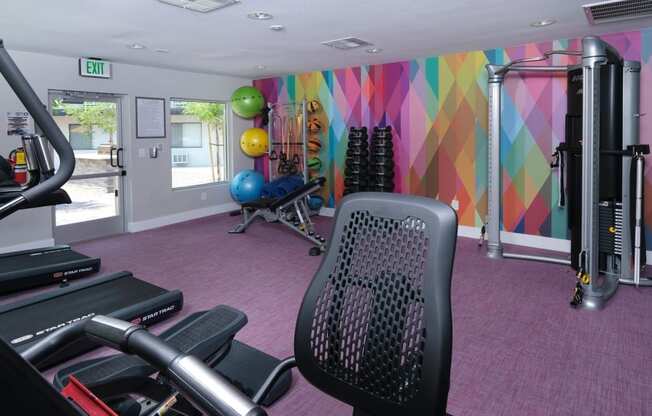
[{"x": 92, "y": 125}]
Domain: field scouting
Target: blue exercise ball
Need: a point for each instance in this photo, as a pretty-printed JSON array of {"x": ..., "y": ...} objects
[
  {"x": 315, "y": 202},
  {"x": 247, "y": 186}
]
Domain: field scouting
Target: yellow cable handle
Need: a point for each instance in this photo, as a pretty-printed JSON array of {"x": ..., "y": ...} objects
[{"x": 585, "y": 279}]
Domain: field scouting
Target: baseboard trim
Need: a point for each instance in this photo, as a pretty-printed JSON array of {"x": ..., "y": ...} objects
[
  {"x": 527, "y": 240},
  {"x": 469, "y": 232},
  {"x": 28, "y": 246},
  {"x": 134, "y": 227},
  {"x": 327, "y": 212},
  {"x": 518, "y": 239}
]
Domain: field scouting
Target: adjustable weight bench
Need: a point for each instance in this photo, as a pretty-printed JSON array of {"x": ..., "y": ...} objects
[{"x": 290, "y": 209}]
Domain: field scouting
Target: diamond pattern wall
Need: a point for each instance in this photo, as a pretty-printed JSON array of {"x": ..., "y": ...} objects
[{"x": 438, "y": 108}]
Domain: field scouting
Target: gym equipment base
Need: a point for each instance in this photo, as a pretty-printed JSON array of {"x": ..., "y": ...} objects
[{"x": 290, "y": 210}]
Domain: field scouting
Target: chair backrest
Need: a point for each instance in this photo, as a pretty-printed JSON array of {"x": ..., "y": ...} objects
[
  {"x": 25, "y": 391},
  {"x": 375, "y": 327}
]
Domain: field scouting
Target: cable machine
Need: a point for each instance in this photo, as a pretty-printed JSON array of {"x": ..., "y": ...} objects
[
  {"x": 605, "y": 214},
  {"x": 288, "y": 138}
]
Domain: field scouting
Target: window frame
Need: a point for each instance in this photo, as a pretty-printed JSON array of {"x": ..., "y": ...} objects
[
  {"x": 227, "y": 146},
  {"x": 90, "y": 137},
  {"x": 201, "y": 134}
]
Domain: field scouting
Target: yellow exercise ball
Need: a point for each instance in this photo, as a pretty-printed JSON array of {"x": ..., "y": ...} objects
[{"x": 254, "y": 142}]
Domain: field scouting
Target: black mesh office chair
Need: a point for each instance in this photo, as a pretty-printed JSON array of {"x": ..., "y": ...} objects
[{"x": 374, "y": 329}]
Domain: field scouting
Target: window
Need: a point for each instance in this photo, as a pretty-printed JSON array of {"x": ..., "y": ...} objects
[
  {"x": 80, "y": 138},
  {"x": 198, "y": 142},
  {"x": 186, "y": 135}
]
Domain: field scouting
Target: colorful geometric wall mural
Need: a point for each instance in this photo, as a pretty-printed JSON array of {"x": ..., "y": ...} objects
[{"x": 438, "y": 109}]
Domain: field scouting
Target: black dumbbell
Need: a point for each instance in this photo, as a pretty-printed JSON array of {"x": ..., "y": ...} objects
[
  {"x": 356, "y": 170},
  {"x": 381, "y": 143},
  {"x": 362, "y": 152},
  {"x": 355, "y": 144},
  {"x": 349, "y": 182},
  {"x": 356, "y": 160},
  {"x": 381, "y": 160},
  {"x": 383, "y": 173},
  {"x": 385, "y": 182},
  {"x": 382, "y": 151}
]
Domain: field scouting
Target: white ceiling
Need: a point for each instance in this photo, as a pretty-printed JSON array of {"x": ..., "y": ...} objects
[{"x": 226, "y": 41}]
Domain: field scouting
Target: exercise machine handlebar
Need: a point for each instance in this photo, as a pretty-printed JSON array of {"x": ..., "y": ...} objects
[
  {"x": 207, "y": 390},
  {"x": 44, "y": 120},
  {"x": 521, "y": 64}
]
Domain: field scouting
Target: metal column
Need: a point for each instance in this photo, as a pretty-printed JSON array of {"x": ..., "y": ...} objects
[
  {"x": 304, "y": 138},
  {"x": 494, "y": 187},
  {"x": 270, "y": 138},
  {"x": 631, "y": 104},
  {"x": 494, "y": 246},
  {"x": 629, "y": 273},
  {"x": 599, "y": 288}
]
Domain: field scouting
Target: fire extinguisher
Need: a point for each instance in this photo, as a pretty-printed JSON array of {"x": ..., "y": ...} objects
[{"x": 18, "y": 163}]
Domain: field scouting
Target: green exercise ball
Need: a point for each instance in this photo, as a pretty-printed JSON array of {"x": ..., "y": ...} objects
[{"x": 247, "y": 102}]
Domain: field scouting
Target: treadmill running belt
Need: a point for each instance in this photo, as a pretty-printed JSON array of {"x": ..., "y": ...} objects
[
  {"x": 119, "y": 295},
  {"x": 26, "y": 269},
  {"x": 39, "y": 259}
]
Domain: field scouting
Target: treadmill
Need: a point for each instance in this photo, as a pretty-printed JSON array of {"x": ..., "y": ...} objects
[
  {"x": 42, "y": 266},
  {"x": 118, "y": 295},
  {"x": 22, "y": 270}
]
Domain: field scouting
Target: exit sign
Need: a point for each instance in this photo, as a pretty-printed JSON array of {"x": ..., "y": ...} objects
[{"x": 94, "y": 68}]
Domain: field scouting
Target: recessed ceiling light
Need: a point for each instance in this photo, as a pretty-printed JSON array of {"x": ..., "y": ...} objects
[
  {"x": 261, "y": 67},
  {"x": 374, "y": 50},
  {"x": 277, "y": 28},
  {"x": 162, "y": 50},
  {"x": 136, "y": 46},
  {"x": 543, "y": 23},
  {"x": 260, "y": 16}
]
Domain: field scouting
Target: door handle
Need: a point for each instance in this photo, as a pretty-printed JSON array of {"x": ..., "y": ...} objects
[
  {"x": 119, "y": 157},
  {"x": 111, "y": 162}
]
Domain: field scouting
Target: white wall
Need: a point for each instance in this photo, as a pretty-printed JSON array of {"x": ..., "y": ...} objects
[{"x": 150, "y": 199}]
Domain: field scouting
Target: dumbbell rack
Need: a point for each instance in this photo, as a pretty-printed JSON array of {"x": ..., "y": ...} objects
[
  {"x": 381, "y": 160},
  {"x": 287, "y": 139},
  {"x": 356, "y": 171}
]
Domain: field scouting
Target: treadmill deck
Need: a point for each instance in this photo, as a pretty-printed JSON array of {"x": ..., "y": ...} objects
[{"x": 118, "y": 295}]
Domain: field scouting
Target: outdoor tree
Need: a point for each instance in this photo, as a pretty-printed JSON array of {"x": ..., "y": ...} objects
[
  {"x": 212, "y": 115},
  {"x": 91, "y": 115}
]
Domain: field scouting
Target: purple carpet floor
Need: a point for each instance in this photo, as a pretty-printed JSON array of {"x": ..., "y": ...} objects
[{"x": 518, "y": 348}]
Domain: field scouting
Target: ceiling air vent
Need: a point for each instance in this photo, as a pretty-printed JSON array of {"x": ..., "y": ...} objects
[
  {"x": 617, "y": 10},
  {"x": 346, "y": 43},
  {"x": 203, "y": 6}
]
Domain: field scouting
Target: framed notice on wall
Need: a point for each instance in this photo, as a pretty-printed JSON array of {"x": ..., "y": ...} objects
[{"x": 150, "y": 118}]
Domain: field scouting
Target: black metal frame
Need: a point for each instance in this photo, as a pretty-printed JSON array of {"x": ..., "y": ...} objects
[{"x": 44, "y": 120}]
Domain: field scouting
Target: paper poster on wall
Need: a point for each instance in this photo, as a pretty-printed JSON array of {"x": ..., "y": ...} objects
[
  {"x": 150, "y": 118},
  {"x": 18, "y": 123}
]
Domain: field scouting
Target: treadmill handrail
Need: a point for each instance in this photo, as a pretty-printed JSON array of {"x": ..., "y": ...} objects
[
  {"x": 206, "y": 389},
  {"x": 44, "y": 120}
]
